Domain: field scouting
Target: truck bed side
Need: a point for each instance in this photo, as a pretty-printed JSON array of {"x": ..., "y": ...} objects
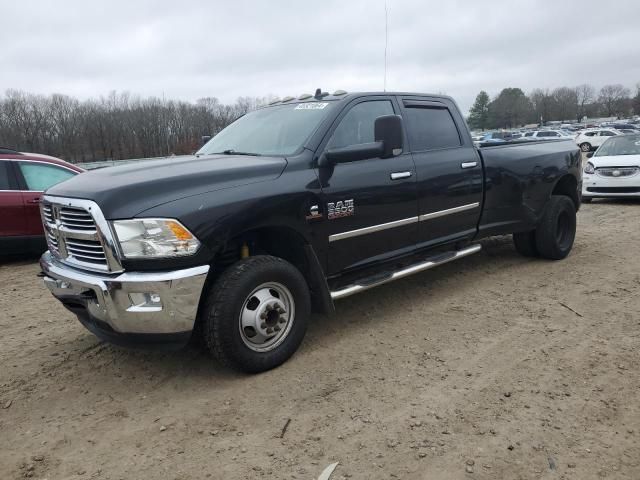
[{"x": 520, "y": 177}]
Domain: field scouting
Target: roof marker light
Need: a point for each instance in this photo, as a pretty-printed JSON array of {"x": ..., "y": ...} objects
[{"x": 339, "y": 92}]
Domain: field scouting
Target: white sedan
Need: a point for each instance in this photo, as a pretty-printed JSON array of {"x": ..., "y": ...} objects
[{"x": 614, "y": 169}]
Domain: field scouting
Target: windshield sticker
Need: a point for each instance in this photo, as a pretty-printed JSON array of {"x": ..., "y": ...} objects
[{"x": 310, "y": 106}]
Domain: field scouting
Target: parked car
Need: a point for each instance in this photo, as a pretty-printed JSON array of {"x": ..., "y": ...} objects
[
  {"x": 292, "y": 207},
  {"x": 23, "y": 179},
  {"x": 546, "y": 134},
  {"x": 591, "y": 139},
  {"x": 614, "y": 169},
  {"x": 626, "y": 130}
]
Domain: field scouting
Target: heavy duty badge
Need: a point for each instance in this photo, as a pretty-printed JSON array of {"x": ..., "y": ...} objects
[{"x": 343, "y": 208}]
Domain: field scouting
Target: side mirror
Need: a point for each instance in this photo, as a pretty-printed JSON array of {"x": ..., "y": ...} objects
[
  {"x": 388, "y": 130},
  {"x": 590, "y": 154},
  {"x": 352, "y": 153},
  {"x": 389, "y": 138}
]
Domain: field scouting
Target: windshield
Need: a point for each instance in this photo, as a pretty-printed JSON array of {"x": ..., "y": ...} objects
[
  {"x": 621, "y": 145},
  {"x": 280, "y": 130}
]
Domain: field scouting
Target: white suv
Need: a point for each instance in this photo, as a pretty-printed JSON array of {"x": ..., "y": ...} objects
[
  {"x": 591, "y": 139},
  {"x": 545, "y": 134}
]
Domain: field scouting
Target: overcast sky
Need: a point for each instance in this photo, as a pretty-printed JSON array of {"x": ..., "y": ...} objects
[{"x": 188, "y": 49}]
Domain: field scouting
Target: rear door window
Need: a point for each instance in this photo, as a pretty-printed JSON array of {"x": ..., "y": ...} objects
[
  {"x": 432, "y": 128},
  {"x": 40, "y": 176}
]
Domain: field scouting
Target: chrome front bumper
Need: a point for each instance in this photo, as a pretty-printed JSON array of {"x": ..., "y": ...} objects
[{"x": 111, "y": 303}]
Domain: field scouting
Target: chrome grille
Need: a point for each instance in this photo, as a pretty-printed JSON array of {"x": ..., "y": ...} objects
[
  {"x": 47, "y": 212},
  {"x": 77, "y": 219},
  {"x": 78, "y": 234},
  {"x": 90, "y": 251},
  {"x": 52, "y": 241},
  {"x": 617, "y": 172}
]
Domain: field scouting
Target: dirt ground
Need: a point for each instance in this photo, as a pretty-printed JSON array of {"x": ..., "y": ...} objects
[{"x": 496, "y": 366}]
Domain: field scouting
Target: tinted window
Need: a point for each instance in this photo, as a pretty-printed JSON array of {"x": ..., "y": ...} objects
[
  {"x": 5, "y": 184},
  {"x": 589, "y": 134},
  {"x": 432, "y": 128},
  {"x": 607, "y": 134},
  {"x": 357, "y": 125},
  {"x": 40, "y": 176},
  {"x": 528, "y": 134}
]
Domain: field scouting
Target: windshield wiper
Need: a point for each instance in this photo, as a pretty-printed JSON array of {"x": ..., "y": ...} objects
[{"x": 231, "y": 151}]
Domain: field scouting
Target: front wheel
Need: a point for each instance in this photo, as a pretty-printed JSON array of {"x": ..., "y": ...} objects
[
  {"x": 255, "y": 315},
  {"x": 557, "y": 228}
]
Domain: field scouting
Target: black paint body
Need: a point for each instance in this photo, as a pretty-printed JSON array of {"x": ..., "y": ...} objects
[{"x": 222, "y": 197}]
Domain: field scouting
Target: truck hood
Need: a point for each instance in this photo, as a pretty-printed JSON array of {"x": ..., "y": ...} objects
[
  {"x": 124, "y": 191},
  {"x": 616, "y": 161}
]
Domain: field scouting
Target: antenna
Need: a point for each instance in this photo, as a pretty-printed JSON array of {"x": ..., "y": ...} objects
[{"x": 386, "y": 38}]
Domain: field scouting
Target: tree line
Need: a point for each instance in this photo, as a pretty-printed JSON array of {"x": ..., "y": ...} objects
[
  {"x": 512, "y": 108},
  {"x": 117, "y": 126}
]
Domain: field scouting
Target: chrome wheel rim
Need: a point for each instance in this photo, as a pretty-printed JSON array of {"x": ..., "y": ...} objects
[{"x": 266, "y": 317}]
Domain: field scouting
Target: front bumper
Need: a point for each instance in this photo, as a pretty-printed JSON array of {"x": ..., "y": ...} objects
[
  {"x": 596, "y": 186},
  {"x": 110, "y": 307}
]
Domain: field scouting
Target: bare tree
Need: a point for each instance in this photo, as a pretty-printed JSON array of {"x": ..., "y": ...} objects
[
  {"x": 612, "y": 99},
  {"x": 586, "y": 95}
]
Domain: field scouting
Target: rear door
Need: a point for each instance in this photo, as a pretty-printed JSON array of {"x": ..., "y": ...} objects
[
  {"x": 35, "y": 177},
  {"x": 449, "y": 171},
  {"x": 370, "y": 206},
  {"x": 13, "y": 222}
]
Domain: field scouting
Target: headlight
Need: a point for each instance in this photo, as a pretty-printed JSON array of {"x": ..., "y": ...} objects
[
  {"x": 154, "y": 238},
  {"x": 589, "y": 168}
]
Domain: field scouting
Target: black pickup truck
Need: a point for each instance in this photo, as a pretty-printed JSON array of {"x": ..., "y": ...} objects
[{"x": 291, "y": 207}]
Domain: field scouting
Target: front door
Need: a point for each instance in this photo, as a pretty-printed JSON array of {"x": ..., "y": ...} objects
[
  {"x": 449, "y": 171},
  {"x": 370, "y": 206}
]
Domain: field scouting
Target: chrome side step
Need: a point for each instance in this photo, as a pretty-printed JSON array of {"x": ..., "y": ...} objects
[{"x": 405, "y": 272}]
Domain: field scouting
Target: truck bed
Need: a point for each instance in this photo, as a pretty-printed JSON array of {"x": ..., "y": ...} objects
[{"x": 519, "y": 177}]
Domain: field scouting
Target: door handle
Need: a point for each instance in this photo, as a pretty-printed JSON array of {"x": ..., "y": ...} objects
[
  {"x": 35, "y": 200},
  {"x": 399, "y": 175},
  {"x": 468, "y": 164}
]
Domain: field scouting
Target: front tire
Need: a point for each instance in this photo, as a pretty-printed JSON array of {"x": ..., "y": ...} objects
[
  {"x": 256, "y": 313},
  {"x": 557, "y": 229},
  {"x": 585, "y": 147}
]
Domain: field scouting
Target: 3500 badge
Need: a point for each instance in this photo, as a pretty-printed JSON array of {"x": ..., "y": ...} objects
[{"x": 343, "y": 208}]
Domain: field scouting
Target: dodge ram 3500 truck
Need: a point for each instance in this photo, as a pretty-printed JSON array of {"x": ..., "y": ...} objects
[{"x": 289, "y": 208}]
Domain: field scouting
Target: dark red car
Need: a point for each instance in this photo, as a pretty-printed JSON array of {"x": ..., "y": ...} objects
[{"x": 23, "y": 178}]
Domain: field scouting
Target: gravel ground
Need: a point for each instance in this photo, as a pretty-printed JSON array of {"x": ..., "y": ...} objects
[{"x": 495, "y": 366}]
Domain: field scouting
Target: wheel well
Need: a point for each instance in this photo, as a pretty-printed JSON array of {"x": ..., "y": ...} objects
[
  {"x": 285, "y": 243},
  {"x": 568, "y": 186},
  {"x": 280, "y": 242}
]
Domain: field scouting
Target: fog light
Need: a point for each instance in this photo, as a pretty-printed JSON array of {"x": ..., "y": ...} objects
[{"x": 145, "y": 301}]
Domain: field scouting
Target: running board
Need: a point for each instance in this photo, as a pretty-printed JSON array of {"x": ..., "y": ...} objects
[{"x": 405, "y": 272}]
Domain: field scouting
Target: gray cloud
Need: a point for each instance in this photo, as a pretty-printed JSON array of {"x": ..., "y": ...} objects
[{"x": 189, "y": 49}]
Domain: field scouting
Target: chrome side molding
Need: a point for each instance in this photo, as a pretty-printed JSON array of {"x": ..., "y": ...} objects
[
  {"x": 405, "y": 272},
  {"x": 371, "y": 229},
  {"x": 449, "y": 211}
]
